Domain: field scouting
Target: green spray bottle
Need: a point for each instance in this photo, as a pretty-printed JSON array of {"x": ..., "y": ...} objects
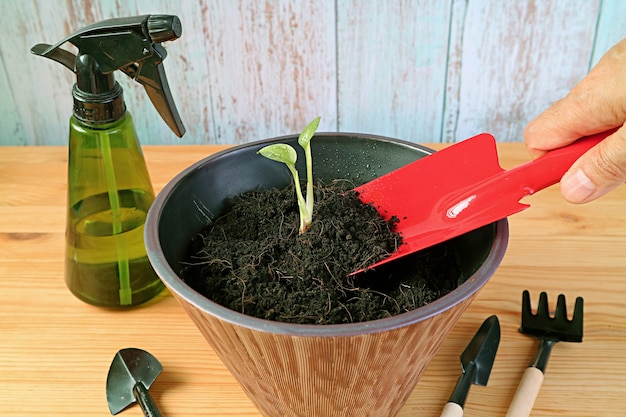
[{"x": 109, "y": 189}]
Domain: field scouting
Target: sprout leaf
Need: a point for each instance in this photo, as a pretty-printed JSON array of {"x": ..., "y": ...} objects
[
  {"x": 286, "y": 154},
  {"x": 307, "y": 133},
  {"x": 280, "y": 152}
]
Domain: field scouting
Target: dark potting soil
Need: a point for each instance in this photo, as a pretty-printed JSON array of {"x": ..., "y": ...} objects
[{"x": 253, "y": 260}]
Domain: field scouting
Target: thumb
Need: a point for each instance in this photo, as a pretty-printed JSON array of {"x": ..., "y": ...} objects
[{"x": 598, "y": 171}]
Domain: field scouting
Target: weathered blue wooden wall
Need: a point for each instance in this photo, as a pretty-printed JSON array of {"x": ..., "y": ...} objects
[{"x": 421, "y": 70}]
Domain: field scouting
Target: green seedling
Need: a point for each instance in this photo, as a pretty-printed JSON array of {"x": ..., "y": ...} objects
[{"x": 286, "y": 154}]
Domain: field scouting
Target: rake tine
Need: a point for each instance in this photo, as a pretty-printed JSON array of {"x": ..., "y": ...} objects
[
  {"x": 526, "y": 307},
  {"x": 549, "y": 330},
  {"x": 578, "y": 310},
  {"x": 542, "y": 308},
  {"x": 561, "y": 309}
]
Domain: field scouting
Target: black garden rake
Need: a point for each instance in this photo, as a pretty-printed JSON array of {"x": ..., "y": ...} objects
[{"x": 549, "y": 330}]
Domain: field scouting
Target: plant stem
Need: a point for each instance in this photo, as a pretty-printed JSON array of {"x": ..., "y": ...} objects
[
  {"x": 306, "y": 215},
  {"x": 309, "y": 183}
]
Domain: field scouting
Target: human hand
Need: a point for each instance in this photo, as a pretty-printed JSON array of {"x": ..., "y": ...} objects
[{"x": 596, "y": 104}]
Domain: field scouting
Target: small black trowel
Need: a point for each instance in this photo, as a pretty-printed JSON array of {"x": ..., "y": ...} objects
[
  {"x": 130, "y": 376},
  {"x": 477, "y": 361}
]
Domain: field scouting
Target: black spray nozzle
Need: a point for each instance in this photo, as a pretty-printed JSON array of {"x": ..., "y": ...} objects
[{"x": 131, "y": 45}]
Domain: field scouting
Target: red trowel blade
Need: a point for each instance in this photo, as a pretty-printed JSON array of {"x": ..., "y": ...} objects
[{"x": 462, "y": 188}]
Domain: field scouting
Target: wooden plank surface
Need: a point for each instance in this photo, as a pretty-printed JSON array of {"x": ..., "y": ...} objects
[
  {"x": 505, "y": 83},
  {"x": 392, "y": 69},
  {"x": 610, "y": 29},
  {"x": 55, "y": 350},
  {"x": 243, "y": 70},
  {"x": 272, "y": 67}
]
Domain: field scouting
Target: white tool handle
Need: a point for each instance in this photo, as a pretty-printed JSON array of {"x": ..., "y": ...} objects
[
  {"x": 452, "y": 410},
  {"x": 526, "y": 393}
]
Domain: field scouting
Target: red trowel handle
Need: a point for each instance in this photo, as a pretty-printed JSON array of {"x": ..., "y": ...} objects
[{"x": 549, "y": 168}]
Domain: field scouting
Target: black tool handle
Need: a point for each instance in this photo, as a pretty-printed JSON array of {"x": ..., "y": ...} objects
[
  {"x": 145, "y": 401},
  {"x": 465, "y": 381}
]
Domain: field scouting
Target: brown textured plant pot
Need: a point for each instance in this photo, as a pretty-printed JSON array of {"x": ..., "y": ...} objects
[{"x": 359, "y": 369}]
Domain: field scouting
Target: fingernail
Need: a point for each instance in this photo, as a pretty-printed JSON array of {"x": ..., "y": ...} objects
[{"x": 577, "y": 187}]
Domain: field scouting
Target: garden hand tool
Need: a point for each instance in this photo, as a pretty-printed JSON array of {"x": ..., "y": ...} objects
[
  {"x": 549, "y": 330},
  {"x": 131, "y": 374},
  {"x": 476, "y": 361},
  {"x": 462, "y": 188}
]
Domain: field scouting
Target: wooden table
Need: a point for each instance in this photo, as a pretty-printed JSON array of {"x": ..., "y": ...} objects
[{"x": 55, "y": 351}]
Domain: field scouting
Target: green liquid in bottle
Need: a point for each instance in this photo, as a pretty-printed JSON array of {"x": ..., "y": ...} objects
[{"x": 92, "y": 267}]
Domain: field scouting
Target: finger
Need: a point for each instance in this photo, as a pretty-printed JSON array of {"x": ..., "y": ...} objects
[
  {"x": 598, "y": 171},
  {"x": 558, "y": 126}
]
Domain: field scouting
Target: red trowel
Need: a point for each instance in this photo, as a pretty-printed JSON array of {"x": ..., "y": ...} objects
[{"x": 462, "y": 188}]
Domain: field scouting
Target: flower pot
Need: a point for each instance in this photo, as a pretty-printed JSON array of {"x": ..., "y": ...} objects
[{"x": 359, "y": 369}]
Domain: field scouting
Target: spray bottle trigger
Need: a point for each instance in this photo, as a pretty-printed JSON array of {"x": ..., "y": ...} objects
[
  {"x": 163, "y": 101},
  {"x": 151, "y": 74}
]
